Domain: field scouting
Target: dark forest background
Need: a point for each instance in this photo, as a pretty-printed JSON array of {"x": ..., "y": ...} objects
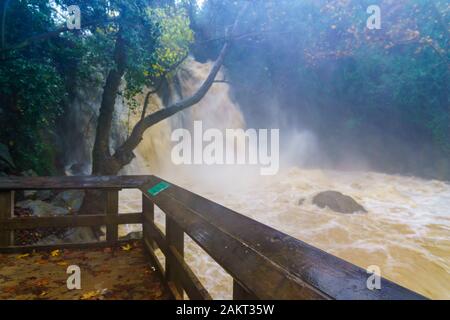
[{"x": 379, "y": 96}]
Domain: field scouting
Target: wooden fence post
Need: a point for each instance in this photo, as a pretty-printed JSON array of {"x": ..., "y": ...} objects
[
  {"x": 6, "y": 212},
  {"x": 175, "y": 239},
  {"x": 112, "y": 212},
  {"x": 148, "y": 211}
]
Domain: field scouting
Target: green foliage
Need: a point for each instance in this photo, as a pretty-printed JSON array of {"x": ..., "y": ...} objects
[
  {"x": 316, "y": 61},
  {"x": 37, "y": 81},
  {"x": 176, "y": 36},
  {"x": 32, "y": 89}
]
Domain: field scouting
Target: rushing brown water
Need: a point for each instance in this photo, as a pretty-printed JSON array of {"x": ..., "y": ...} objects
[{"x": 406, "y": 231}]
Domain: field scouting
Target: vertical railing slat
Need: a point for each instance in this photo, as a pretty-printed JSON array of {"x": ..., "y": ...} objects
[
  {"x": 112, "y": 211},
  {"x": 148, "y": 211},
  {"x": 175, "y": 239},
  {"x": 6, "y": 212}
]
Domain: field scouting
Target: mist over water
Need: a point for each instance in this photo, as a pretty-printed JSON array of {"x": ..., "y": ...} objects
[
  {"x": 405, "y": 232},
  {"x": 358, "y": 101}
]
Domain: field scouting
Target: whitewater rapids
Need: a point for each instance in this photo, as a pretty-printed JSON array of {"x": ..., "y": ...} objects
[{"x": 406, "y": 231}]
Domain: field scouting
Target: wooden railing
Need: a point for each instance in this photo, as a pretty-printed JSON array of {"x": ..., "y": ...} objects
[
  {"x": 110, "y": 218},
  {"x": 263, "y": 262}
]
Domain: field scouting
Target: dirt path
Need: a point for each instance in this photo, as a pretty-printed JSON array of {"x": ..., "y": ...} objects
[{"x": 110, "y": 274}]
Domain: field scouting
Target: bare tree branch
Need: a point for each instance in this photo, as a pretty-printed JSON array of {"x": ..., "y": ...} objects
[
  {"x": 124, "y": 154},
  {"x": 222, "y": 81},
  {"x": 158, "y": 86}
]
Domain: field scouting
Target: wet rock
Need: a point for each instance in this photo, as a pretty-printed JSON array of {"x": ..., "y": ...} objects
[
  {"x": 30, "y": 194},
  {"x": 301, "y": 201},
  {"x": 44, "y": 195},
  {"x": 78, "y": 169},
  {"x": 73, "y": 235},
  {"x": 40, "y": 208},
  {"x": 80, "y": 234},
  {"x": 70, "y": 199},
  {"x": 38, "y": 194},
  {"x": 134, "y": 235},
  {"x": 337, "y": 202},
  {"x": 29, "y": 173}
]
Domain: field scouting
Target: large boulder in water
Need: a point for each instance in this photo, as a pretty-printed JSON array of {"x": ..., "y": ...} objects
[
  {"x": 337, "y": 202},
  {"x": 69, "y": 199}
]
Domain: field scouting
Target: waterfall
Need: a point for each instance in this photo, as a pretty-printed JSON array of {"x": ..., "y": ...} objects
[
  {"x": 405, "y": 231},
  {"x": 215, "y": 110}
]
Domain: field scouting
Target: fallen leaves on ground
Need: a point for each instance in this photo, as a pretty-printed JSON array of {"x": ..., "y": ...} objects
[
  {"x": 55, "y": 253},
  {"x": 23, "y": 255},
  {"x": 89, "y": 295},
  {"x": 42, "y": 275},
  {"x": 127, "y": 247},
  {"x": 94, "y": 295}
]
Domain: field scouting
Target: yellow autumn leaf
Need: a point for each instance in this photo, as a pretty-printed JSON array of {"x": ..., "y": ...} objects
[
  {"x": 55, "y": 253},
  {"x": 23, "y": 256},
  {"x": 43, "y": 293},
  {"x": 126, "y": 247},
  {"x": 62, "y": 263},
  {"x": 89, "y": 295}
]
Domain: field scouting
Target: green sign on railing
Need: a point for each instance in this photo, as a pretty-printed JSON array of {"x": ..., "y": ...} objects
[{"x": 157, "y": 188}]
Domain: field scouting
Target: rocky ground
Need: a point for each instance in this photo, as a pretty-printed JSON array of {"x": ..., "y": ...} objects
[
  {"x": 106, "y": 274},
  {"x": 47, "y": 203}
]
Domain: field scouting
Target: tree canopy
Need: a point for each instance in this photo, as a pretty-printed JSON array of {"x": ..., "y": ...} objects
[{"x": 382, "y": 92}]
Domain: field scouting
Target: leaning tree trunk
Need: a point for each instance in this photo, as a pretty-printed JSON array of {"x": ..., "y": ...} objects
[
  {"x": 105, "y": 163},
  {"x": 102, "y": 162}
]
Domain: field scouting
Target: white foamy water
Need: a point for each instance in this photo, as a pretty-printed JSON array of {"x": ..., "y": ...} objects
[{"x": 406, "y": 231}]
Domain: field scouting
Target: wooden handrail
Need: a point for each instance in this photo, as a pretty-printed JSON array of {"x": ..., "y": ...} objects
[
  {"x": 72, "y": 182},
  {"x": 23, "y": 223},
  {"x": 264, "y": 262},
  {"x": 110, "y": 184}
]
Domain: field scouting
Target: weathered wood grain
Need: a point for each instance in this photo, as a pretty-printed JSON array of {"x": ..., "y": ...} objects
[
  {"x": 23, "y": 223},
  {"x": 112, "y": 212},
  {"x": 72, "y": 246},
  {"x": 271, "y": 264},
  {"x": 72, "y": 182},
  {"x": 6, "y": 212},
  {"x": 264, "y": 263}
]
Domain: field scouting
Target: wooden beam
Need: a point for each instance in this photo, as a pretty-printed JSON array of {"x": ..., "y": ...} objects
[
  {"x": 148, "y": 210},
  {"x": 6, "y": 212},
  {"x": 23, "y": 223},
  {"x": 152, "y": 233},
  {"x": 174, "y": 239},
  {"x": 82, "y": 245},
  {"x": 266, "y": 279},
  {"x": 191, "y": 284},
  {"x": 112, "y": 213},
  {"x": 269, "y": 263},
  {"x": 72, "y": 182},
  {"x": 240, "y": 293}
]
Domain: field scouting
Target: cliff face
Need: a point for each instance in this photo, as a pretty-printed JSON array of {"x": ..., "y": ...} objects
[{"x": 215, "y": 110}]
